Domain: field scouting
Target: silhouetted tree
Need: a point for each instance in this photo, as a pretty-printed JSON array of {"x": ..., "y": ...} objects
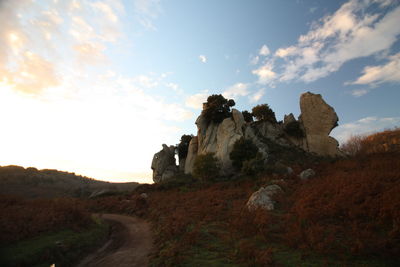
[
  {"x": 183, "y": 146},
  {"x": 248, "y": 117},
  {"x": 264, "y": 113},
  {"x": 217, "y": 108}
]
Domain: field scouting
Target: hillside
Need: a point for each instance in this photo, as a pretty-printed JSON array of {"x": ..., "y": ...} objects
[
  {"x": 33, "y": 183},
  {"x": 346, "y": 215}
]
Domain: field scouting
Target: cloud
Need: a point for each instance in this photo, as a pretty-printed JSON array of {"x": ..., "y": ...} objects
[
  {"x": 264, "y": 51},
  {"x": 364, "y": 126},
  {"x": 355, "y": 30},
  {"x": 359, "y": 92},
  {"x": 265, "y": 74},
  {"x": 389, "y": 72},
  {"x": 146, "y": 11},
  {"x": 254, "y": 60},
  {"x": 236, "y": 90},
  {"x": 196, "y": 101},
  {"x": 257, "y": 95},
  {"x": 41, "y": 43},
  {"x": 203, "y": 58}
]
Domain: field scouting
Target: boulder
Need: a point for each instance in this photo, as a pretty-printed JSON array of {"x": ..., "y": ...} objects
[
  {"x": 307, "y": 174},
  {"x": 163, "y": 164},
  {"x": 262, "y": 198},
  {"x": 318, "y": 120}
]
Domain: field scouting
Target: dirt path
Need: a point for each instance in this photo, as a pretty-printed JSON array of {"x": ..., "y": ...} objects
[{"x": 129, "y": 245}]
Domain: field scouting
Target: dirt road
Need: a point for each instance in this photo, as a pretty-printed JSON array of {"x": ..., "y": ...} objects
[{"x": 129, "y": 245}]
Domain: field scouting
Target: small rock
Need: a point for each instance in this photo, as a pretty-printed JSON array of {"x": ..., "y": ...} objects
[
  {"x": 144, "y": 195},
  {"x": 307, "y": 174},
  {"x": 262, "y": 198}
]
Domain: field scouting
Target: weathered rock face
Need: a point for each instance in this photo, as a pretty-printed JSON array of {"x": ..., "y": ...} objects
[
  {"x": 318, "y": 120},
  {"x": 163, "y": 164},
  {"x": 218, "y": 138},
  {"x": 191, "y": 155},
  {"x": 262, "y": 198}
]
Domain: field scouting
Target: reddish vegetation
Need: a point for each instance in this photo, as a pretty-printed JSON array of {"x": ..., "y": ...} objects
[
  {"x": 21, "y": 218},
  {"x": 382, "y": 142}
]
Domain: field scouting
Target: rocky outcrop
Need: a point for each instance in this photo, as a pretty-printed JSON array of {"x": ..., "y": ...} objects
[
  {"x": 318, "y": 120},
  {"x": 163, "y": 164},
  {"x": 191, "y": 155},
  {"x": 262, "y": 198},
  {"x": 218, "y": 138},
  {"x": 276, "y": 141}
]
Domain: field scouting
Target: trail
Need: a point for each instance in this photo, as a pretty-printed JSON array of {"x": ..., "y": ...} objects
[{"x": 129, "y": 245}]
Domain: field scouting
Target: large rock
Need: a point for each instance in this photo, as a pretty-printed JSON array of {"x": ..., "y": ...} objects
[
  {"x": 262, "y": 198},
  {"x": 218, "y": 138},
  {"x": 164, "y": 164},
  {"x": 191, "y": 155},
  {"x": 318, "y": 120}
]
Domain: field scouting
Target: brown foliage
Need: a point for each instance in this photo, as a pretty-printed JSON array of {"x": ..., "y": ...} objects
[
  {"x": 354, "y": 205},
  {"x": 382, "y": 142},
  {"x": 21, "y": 218}
]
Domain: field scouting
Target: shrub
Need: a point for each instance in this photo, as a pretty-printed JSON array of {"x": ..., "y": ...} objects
[
  {"x": 206, "y": 167},
  {"x": 254, "y": 165},
  {"x": 264, "y": 113},
  {"x": 217, "y": 108},
  {"x": 183, "y": 146},
  {"x": 248, "y": 117},
  {"x": 243, "y": 149},
  {"x": 293, "y": 129}
]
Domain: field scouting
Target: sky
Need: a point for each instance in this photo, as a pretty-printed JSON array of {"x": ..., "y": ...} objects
[{"x": 95, "y": 87}]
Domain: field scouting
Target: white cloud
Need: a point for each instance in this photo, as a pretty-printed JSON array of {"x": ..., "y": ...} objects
[
  {"x": 203, "y": 58},
  {"x": 257, "y": 95},
  {"x": 236, "y": 90},
  {"x": 265, "y": 74},
  {"x": 367, "y": 125},
  {"x": 389, "y": 72},
  {"x": 254, "y": 60},
  {"x": 355, "y": 30},
  {"x": 196, "y": 101},
  {"x": 359, "y": 92},
  {"x": 264, "y": 50}
]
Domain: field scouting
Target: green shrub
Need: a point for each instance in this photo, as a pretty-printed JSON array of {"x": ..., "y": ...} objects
[
  {"x": 264, "y": 113},
  {"x": 243, "y": 149},
  {"x": 217, "y": 108},
  {"x": 183, "y": 146},
  {"x": 254, "y": 165},
  {"x": 206, "y": 167},
  {"x": 248, "y": 117},
  {"x": 293, "y": 129}
]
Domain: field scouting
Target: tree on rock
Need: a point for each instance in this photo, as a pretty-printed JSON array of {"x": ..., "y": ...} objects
[
  {"x": 264, "y": 113},
  {"x": 183, "y": 146},
  {"x": 248, "y": 117},
  {"x": 217, "y": 108}
]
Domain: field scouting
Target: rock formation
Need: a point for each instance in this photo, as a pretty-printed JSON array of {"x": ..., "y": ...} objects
[
  {"x": 163, "y": 164},
  {"x": 311, "y": 134},
  {"x": 318, "y": 120}
]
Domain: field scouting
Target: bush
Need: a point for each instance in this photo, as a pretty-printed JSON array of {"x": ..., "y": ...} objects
[
  {"x": 293, "y": 129},
  {"x": 248, "y": 117},
  {"x": 254, "y": 165},
  {"x": 264, "y": 113},
  {"x": 217, "y": 108},
  {"x": 206, "y": 167},
  {"x": 183, "y": 146},
  {"x": 243, "y": 149}
]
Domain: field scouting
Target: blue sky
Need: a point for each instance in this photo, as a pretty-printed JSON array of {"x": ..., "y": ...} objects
[{"x": 95, "y": 87}]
